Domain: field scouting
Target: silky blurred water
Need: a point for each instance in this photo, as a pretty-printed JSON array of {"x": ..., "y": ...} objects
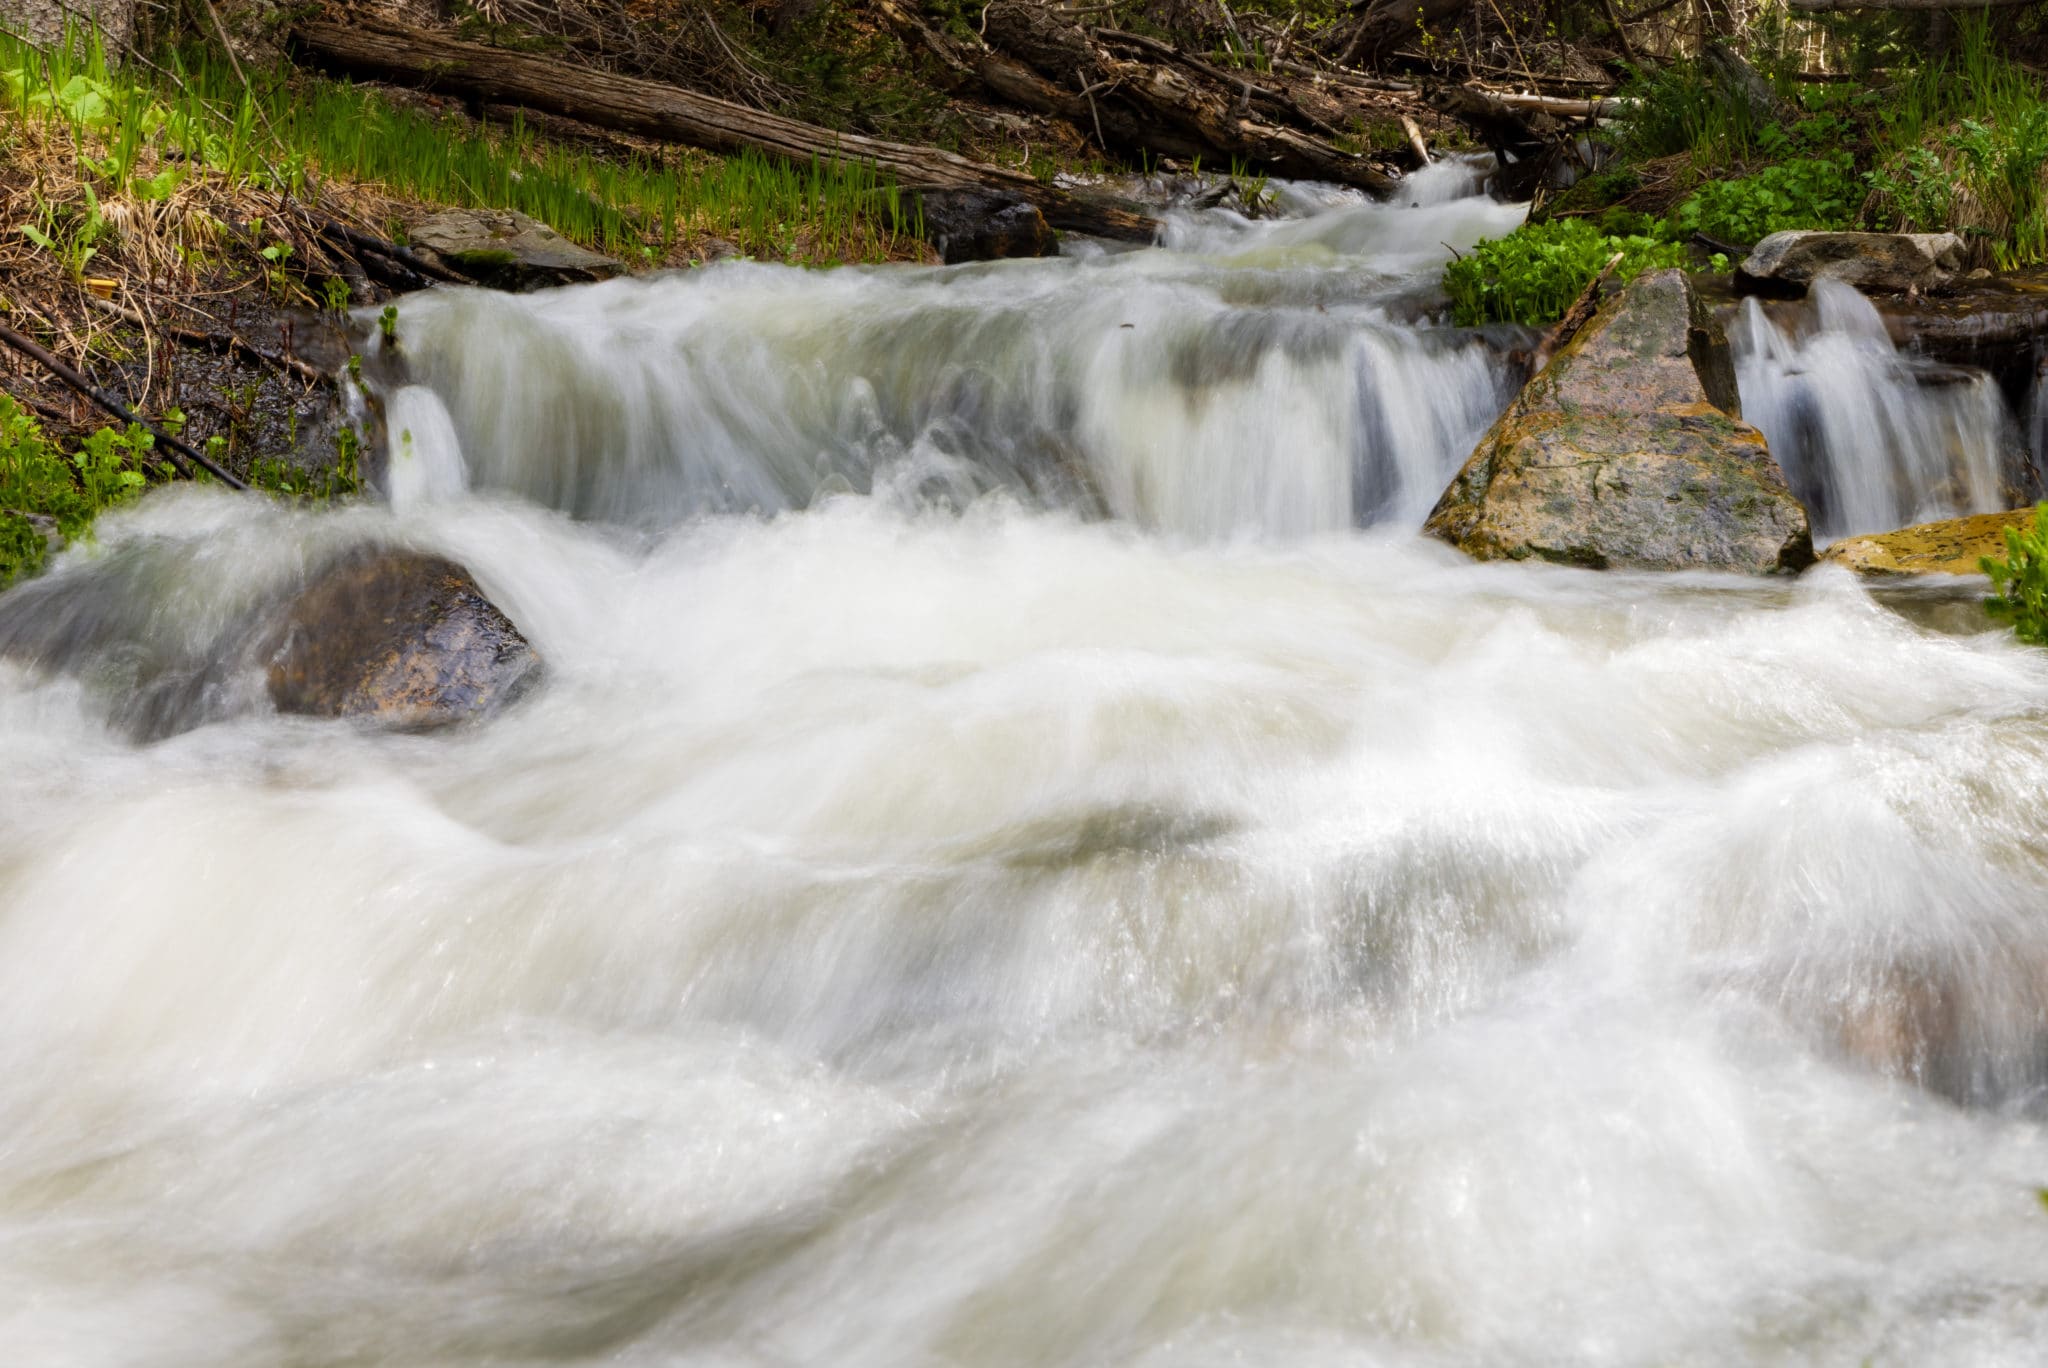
[
  {"x": 925, "y": 921},
  {"x": 1871, "y": 438}
]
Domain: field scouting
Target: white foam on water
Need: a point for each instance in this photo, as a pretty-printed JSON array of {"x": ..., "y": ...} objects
[
  {"x": 920, "y": 922},
  {"x": 1870, "y": 438},
  {"x": 423, "y": 462}
]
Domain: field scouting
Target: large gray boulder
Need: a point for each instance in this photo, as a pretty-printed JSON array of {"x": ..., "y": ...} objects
[
  {"x": 1626, "y": 452},
  {"x": 505, "y": 248},
  {"x": 1877, "y": 263},
  {"x": 400, "y": 639}
]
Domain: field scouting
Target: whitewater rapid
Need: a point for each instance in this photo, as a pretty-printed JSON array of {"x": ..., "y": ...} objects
[{"x": 930, "y": 917}]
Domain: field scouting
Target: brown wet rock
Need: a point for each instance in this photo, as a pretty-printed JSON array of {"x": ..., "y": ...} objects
[
  {"x": 1975, "y": 1032},
  {"x": 1952, "y": 546},
  {"x": 1624, "y": 453},
  {"x": 984, "y": 225},
  {"x": 398, "y": 638}
]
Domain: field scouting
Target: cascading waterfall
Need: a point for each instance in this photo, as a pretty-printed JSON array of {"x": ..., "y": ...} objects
[
  {"x": 1870, "y": 438},
  {"x": 921, "y": 922},
  {"x": 1278, "y": 394}
]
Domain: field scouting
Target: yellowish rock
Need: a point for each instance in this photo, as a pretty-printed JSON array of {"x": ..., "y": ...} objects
[
  {"x": 1953, "y": 546},
  {"x": 1625, "y": 453}
]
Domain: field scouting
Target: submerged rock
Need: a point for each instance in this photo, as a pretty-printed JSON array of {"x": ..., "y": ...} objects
[
  {"x": 1624, "y": 453},
  {"x": 984, "y": 225},
  {"x": 399, "y": 638},
  {"x": 507, "y": 249},
  {"x": 1881, "y": 263},
  {"x": 1953, "y": 546},
  {"x": 1974, "y": 1032}
]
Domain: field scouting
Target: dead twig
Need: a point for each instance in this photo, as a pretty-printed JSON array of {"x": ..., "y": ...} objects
[
  {"x": 182, "y": 456},
  {"x": 213, "y": 342},
  {"x": 334, "y": 230}
]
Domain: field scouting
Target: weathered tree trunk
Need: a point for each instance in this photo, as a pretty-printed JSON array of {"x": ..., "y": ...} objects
[
  {"x": 391, "y": 51},
  {"x": 1173, "y": 104},
  {"x": 1741, "y": 80},
  {"x": 44, "y": 21}
]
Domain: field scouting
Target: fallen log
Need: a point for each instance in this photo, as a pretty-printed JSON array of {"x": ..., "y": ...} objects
[
  {"x": 1560, "y": 105},
  {"x": 975, "y": 68},
  {"x": 1175, "y": 105},
  {"x": 390, "y": 51},
  {"x": 1278, "y": 101}
]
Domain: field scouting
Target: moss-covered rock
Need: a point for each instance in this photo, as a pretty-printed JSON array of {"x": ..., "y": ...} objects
[
  {"x": 505, "y": 248},
  {"x": 1953, "y": 546},
  {"x": 1625, "y": 453}
]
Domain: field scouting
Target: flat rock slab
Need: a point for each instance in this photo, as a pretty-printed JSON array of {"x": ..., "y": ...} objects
[
  {"x": 1953, "y": 546},
  {"x": 398, "y": 638},
  {"x": 1624, "y": 453},
  {"x": 1879, "y": 263},
  {"x": 507, "y": 249}
]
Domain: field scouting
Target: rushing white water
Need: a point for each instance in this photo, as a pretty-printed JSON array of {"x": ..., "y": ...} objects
[
  {"x": 423, "y": 459},
  {"x": 1257, "y": 381},
  {"x": 936, "y": 932},
  {"x": 1871, "y": 438}
]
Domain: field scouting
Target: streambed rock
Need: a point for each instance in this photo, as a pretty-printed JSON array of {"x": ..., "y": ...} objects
[
  {"x": 399, "y": 638},
  {"x": 505, "y": 248},
  {"x": 984, "y": 225},
  {"x": 1952, "y": 546},
  {"x": 1974, "y": 1030},
  {"x": 1624, "y": 453},
  {"x": 1878, "y": 263}
]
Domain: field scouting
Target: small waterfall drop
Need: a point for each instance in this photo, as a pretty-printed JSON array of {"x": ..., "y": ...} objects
[
  {"x": 1255, "y": 376},
  {"x": 1871, "y": 438},
  {"x": 423, "y": 452}
]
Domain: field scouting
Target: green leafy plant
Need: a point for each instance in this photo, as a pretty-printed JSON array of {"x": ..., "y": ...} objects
[
  {"x": 275, "y": 256},
  {"x": 1917, "y": 188},
  {"x": 2021, "y": 580},
  {"x": 38, "y": 481},
  {"x": 1805, "y": 192},
  {"x": 71, "y": 234},
  {"x": 1534, "y": 273}
]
